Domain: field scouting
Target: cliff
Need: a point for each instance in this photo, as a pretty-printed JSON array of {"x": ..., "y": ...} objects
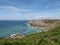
[{"x": 49, "y": 24}]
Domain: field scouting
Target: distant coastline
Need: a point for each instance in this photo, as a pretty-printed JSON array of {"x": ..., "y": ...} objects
[{"x": 45, "y": 23}]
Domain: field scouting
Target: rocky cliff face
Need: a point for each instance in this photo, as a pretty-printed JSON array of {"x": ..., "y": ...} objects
[{"x": 44, "y": 23}]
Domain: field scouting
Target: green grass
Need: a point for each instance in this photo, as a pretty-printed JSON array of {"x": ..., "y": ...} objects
[{"x": 51, "y": 37}]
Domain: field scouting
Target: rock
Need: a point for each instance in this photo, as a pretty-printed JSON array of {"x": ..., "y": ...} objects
[
  {"x": 16, "y": 36},
  {"x": 46, "y": 24}
]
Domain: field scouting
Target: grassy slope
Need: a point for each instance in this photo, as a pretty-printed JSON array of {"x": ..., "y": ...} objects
[{"x": 52, "y": 37}]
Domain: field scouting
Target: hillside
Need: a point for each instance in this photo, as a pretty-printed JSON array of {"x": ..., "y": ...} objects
[
  {"x": 51, "y": 37},
  {"x": 45, "y": 23}
]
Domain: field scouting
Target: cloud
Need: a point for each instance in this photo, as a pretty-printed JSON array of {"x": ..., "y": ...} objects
[
  {"x": 29, "y": 10},
  {"x": 52, "y": 14},
  {"x": 17, "y": 15},
  {"x": 12, "y": 13},
  {"x": 12, "y": 9},
  {"x": 41, "y": 17}
]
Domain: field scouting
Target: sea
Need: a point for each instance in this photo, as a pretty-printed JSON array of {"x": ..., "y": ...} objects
[{"x": 9, "y": 27}]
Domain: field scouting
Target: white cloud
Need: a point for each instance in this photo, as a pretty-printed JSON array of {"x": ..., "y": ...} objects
[
  {"x": 13, "y": 9},
  {"x": 20, "y": 14},
  {"x": 41, "y": 17}
]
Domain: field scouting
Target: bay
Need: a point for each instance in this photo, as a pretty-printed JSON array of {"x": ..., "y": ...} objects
[{"x": 9, "y": 27}]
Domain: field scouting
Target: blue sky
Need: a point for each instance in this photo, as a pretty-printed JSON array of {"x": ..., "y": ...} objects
[{"x": 29, "y": 9}]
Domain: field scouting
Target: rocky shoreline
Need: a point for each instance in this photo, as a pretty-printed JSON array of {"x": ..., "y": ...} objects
[
  {"x": 45, "y": 24},
  {"x": 16, "y": 36}
]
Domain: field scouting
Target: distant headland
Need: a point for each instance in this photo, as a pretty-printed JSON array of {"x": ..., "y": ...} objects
[{"x": 44, "y": 23}]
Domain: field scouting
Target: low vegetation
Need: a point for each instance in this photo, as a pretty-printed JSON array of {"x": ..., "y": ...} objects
[{"x": 51, "y": 37}]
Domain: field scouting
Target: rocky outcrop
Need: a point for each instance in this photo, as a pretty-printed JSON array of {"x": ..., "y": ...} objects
[
  {"x": 16, "y": 36},
  {"x": 48, "y": 24}
]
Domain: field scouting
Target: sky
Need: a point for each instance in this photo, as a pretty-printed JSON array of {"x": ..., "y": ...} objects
[{"x": 29, "y": 9}]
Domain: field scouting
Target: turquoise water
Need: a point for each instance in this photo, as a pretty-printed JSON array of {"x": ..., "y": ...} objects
[{"x": 13, "y": 27}]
